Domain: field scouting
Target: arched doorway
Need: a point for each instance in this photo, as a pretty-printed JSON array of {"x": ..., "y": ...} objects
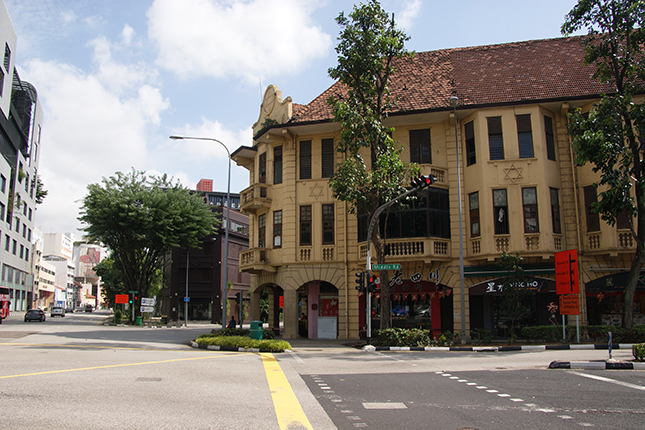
[
  {"x": 272, "y": 306},
  {"x": 318, "y": 310}
]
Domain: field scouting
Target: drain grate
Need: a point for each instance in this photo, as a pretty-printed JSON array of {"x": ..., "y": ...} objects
[{"x": 148, "y": 379}]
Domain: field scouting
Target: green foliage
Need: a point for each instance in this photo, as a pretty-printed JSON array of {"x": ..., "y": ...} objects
[
  {"x": 141, "y": 219},
  {"x": 638, "y": 351},
  {"x": 410, "y": 337},
  {"x": 264, "y": 306},
  {"x": 266, "y": 333},
  {"x": 118, "y": 316},
  {"x": 515, "y": 290},
  {"x": 41, "y": 192},
  {"x": 481, "y": 336},
  {"x": 608, "y": 136},
  {"x": 111, "y": 280},
  {"x": 264, "y": 345}
]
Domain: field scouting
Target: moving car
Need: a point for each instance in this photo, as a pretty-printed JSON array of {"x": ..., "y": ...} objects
[
  {"x": 35, "y": 315},
  {"x": 57, "y": 311},
  {"x": 88, "y": 308}
]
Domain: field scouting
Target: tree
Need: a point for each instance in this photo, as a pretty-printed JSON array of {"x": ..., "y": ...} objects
[
  {"x": 609, "y": 136},
  {"x": 515, "y": 290},
  {"x": 368, "y": 44},
  {"x": 41, "y": 192},
  {"x": 141, "y": 220},
  {"x": 111, "y": 280}
]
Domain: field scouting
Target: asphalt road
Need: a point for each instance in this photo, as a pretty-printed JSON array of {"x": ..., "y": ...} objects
[{"x": 72, "y": 373}]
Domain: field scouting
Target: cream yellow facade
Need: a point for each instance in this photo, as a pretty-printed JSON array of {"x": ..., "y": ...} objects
[{"x": 545, "y": 212}]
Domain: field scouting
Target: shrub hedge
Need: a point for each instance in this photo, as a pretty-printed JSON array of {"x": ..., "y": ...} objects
[
  {"x": 638, "y": 351},
  {"x": 266, "y": 333},
  {"x": 264, "y": 345},
  {"x": 410, "y": 337},
  {"x": 595, "y": 333}
]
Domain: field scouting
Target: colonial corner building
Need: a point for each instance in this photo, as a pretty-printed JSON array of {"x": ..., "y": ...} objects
[{"x": 521, "y": 192}]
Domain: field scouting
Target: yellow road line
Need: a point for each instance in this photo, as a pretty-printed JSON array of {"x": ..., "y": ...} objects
[
  {"x": 89, "y": 346},
  {"x": 108, "y": 366},
  {"x": 286, "y": 405}
]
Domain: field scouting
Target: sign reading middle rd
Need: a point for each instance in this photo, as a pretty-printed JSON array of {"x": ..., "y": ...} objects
[{"x": 376, "y": 267}]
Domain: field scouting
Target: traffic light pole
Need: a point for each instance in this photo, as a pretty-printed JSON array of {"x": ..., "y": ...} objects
[{"x": 368, "y": 265}]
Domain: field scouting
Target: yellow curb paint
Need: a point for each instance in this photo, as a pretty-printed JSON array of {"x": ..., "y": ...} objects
[{"x": 287, "y": 408}]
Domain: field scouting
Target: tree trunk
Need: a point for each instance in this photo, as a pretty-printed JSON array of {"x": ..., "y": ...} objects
[{"x": 630, "y": 288}]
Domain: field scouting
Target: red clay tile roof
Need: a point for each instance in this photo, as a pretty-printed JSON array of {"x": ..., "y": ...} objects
[{"x": 550, "y": 69}]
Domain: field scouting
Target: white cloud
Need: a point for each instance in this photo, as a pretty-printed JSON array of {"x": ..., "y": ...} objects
[
  {"x": 127, "y": 34},
  {"x": 94, "y": 126},
  {"x": 248, "y": 39},
  {"x": 410, "y": 12}
]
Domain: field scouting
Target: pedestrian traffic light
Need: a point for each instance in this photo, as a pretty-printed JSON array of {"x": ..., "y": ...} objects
[
  {"x": 423, "y": 181},
  {"x": 360, "y": 281}
]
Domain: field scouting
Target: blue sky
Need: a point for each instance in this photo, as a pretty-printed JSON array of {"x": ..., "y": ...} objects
[{"x": 117, "y": 77}]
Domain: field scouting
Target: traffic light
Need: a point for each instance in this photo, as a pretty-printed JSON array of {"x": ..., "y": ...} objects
[
  {"x": 238, "y": 297},
  {"x": 360, "y": 281},
  {"x": 423, "y": 181},
  {"x": 372, "y": 284},
  {"x": 136, "y": 298}
]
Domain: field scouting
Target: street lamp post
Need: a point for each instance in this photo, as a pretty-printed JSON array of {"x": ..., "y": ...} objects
[
  {"x": 186, "y": 297},
  {"x": 224, "y": 289},
  {"x": 454, "y": 102}
]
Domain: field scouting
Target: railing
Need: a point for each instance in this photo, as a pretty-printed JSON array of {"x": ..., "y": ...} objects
[
  {"x": 253, "y": 256},
  {"x": 502, "y": 243},
  {"x": 249, "y": 197},
  {"x": 402, "y": 248},
  {"x": 532, "y": 242}
]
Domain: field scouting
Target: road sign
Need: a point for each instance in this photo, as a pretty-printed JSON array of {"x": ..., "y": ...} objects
[
  {"x": 121, "y": 298},
  {"x": 133, "y": 291},
  {"x": 566, "y": 272},
  {"x": 376, "y": 267},
  {"x": 569, "y": 305},
  {"x": 187, "y": 299},
  {"x": 145, "y": 301},
  {"x": 147, "y": 309}
]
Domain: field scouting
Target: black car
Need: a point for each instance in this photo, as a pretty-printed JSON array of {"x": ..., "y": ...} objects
[{"x": 35, "y": 315}]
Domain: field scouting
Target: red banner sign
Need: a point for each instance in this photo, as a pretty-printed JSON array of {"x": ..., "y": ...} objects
[
  {"x": 566, "y": 272},
  {"x": 569, "y": 305},
  {"x": 121, "y": 298}
]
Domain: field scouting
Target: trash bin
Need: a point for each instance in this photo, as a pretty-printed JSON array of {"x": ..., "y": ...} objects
[
  {"x": 256, "y": 330},
  {"x": 137, "y": 321}
]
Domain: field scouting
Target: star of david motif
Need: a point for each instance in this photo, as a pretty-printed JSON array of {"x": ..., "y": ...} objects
[
  {"x": 317, "y": 191},
  {"x": 513, "y": 173}
]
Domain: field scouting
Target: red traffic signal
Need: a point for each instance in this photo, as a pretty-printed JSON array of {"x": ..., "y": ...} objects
[{"x": 423, "y": 181}]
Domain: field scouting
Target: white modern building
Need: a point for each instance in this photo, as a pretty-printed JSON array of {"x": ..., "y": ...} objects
[{"x": 20, "y": 130}]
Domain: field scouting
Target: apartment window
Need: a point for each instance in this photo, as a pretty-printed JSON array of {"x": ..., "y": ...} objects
[
  {"x": 550, "y": 140},
  {"x": 328, "y": 224},
  {"x": 14, "y": 247},
  {"x": 17, "y": 225},
  {"x": 26, "y": 254},
  {"x": 29, "y": 216},
  {"x": 7, "y": 57},
  {"x": 1, "y": 210},
  {"x": 7, "y": 241},
  {"x": 24, "y": 231},
  {"x": 555, "y": 210},
  {"x": 27, "y": 183},
  {"x": 24, "y": 209},
  {"x": 500, "y": 208},
  {"x": 1, "y": 82},
  {"x": 22, "y": 252},
  {"x": 277, "y": 165},
  {"x": 327, "y": 158},
  {"x": 262, "y": 166},
  {"x": 420, "y": 146},
  {"x": 305, "y": 225},
  {"x": 495, "y": 141},
  {"x": 473, "y": 200},
  {"x": 29, "y": 235},
  {"x": 3, "y": 183},
  {"x": 593, "y": 219},
  {"x": 469, "y": 129},
  {"x": 524, "y": 135},
  {"x": 262, "y": 227},
  {"x": 277, "y": 229},
  {"x": 305, "y": 159},
  {"x": 529, "y": 202}
]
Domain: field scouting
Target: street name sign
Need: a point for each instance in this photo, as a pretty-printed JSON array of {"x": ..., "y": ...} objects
[
  {"x": 376, "y": 267},
  {"x": 147, "y": 309}
]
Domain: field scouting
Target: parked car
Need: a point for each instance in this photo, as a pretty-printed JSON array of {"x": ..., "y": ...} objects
[
  {"x": 57, "y": 311},
  {"x": 88, "y": 308},
  {"x": 35, "y": 315},
  {"x": 69, "y": 310},
  {"x": 424, "y": 311}
]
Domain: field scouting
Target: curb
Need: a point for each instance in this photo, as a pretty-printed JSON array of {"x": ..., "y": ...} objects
[
  {"x": 225, "y": 348},
  {"x": 496, "y": 348},
  {"x": 597, "y": 365}
]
